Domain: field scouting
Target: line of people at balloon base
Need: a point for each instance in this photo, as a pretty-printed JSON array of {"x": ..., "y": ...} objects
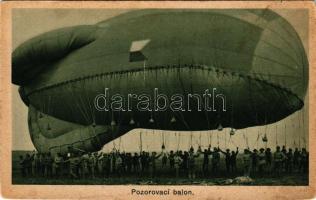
[{"x": 79, "y": 164}]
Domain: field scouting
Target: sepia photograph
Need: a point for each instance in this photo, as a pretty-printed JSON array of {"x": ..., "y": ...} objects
[{"x": 161, "y": 97}]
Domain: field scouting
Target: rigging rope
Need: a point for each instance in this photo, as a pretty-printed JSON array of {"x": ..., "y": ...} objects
[
  {"x": 144, "y": 71},
  {"x": 258, "y": 136},
  {"x": 276, "y": 134},
  {"x": 178, "y": 141},
  {"x": 225, "y": 138},
  {"x": 200, "y": 139},
  {"x": 285, "y": 135},
  {"x": 246, "y": 140},
  {"x": 303, "y": 116},
  {"x": 140, "y": 141},
  {"x": 191, "y": 138},
  {"x": 120, "y": 141},
  {"x": 299, "y": 130},
  {"x": 217, "y": 140}
]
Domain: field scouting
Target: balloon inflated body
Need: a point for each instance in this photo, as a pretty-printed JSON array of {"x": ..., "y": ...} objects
[{"x": 254, "y": 58}]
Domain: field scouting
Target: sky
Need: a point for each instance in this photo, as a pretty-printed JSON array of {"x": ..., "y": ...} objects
[{"x": 27, "y": 23}]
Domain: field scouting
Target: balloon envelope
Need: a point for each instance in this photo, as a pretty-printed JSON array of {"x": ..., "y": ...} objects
[{"x": 253, "y": 58}]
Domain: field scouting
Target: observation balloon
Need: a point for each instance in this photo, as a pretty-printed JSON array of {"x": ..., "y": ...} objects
[{"x": 251, "y": 62}]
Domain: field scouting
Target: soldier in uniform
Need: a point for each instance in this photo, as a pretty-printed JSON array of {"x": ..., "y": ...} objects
[
  {"x": 304, "y": 161},
  {"x": 22, "y": 166},
  {"x": 113, "y": 161},
  {"x": 99, "y": 164},
  {"x": 37, "y": 167},
  {"x": 289, "y": 161},
  {"x": 191, "y": 162},
  {"x": 164, "y": 160},
  {"x": 58, "y": 161},
  {"x": 261, "y": 161},
  {"x": 206, "y": 154},
  {"x": 152, "y": 163},
  {"x": 247, "y": 160},
  {"x": 268, "y": 159},
  {"x": 84, "y": 165},
  {"x": 143, "y": 160},
  {"x": 135, "y": 160},
  {"x": 296, "y": 157},
  {"x": 227, "y": 159},
  {"x": 171, "y": 160},
  {"x": 278, "y": 160},
  {"x": 106, "y": 162},
  {"x": 48, "y": 163},
  {"x": 74, "y": 162},
  {"x": 92, "y": 164},
  {"x": 215, "y": 161},
  {"x": 233, "y": 161},
  {"x": 129, "y": 163},
  {"x": 254, "y": 160},
  {"x": 177, "y": 164}
]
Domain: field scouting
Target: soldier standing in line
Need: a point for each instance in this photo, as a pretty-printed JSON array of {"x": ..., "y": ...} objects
[
  {"x": 304, "y": 161},
  {"x": 58, "y": 160},
  {"x": 233, "y": 161},
  {"x": 37, "y": 167},
  {"x": 268, "y": 159},
  {"x": 152, "y": 163},
  {"x": 50, "y": 159},
  {"x": 227, "y": 159},
  {"x": 142, "y": 161},
  {"x": 79, "y": 167},
  {"x": 261, "y": 161},
  {"x": 206, "y": 154},
  {"x": 128, "y": 161},
  {"x": 123, "y": 156},
  {"x": 185, "y": 162},
  {"x": 100, "y": 164},
  {"x": 33, "y": 164},
  {"x": 182, "y": 166},
  {"x": 22, "y": 166},
  {"x": 171, "y": 160},
  {"x": 73, "y": 165},
  {"x": 28, "y": 164},
  {"x": 254, "y": 160},
  {"x": 108, "y": 165},
  {"x": 177, "y": 164},
  {"x": 84, "y": 165},
  {"x": 96, "y": 163},
  {"x": 119, "y": 165},
  {"x": 147, "y": 163},
  {"x": 278, "y": 160},
  {"x": 247, "y": 162},
  {"x": 296, "y": 157},
  {"x": 215, "y": 161},
  {"x": 289, "y": 161},
  {"x": 191, "y": 162},
  {"x": 45, "y": 164},
  {"x": 48, "y": 164},
  {"x": 283, "y": 168},
  {"x": 105, "y": 165},
  {"x": 135, "y": 161},
  {"x": 42, "y": 164},
  {"x": 164, "y": 160},
  {"x": 92, "y": 165},
  {"x": 113, "y": 161}
]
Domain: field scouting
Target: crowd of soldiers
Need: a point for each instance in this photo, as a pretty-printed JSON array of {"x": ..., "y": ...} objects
[{"x": 79, "y": 164}]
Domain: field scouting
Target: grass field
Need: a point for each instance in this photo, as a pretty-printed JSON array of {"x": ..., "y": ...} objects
[
  {"x": 284, "y": 180},
  {"x": 164, "y": 177}
]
